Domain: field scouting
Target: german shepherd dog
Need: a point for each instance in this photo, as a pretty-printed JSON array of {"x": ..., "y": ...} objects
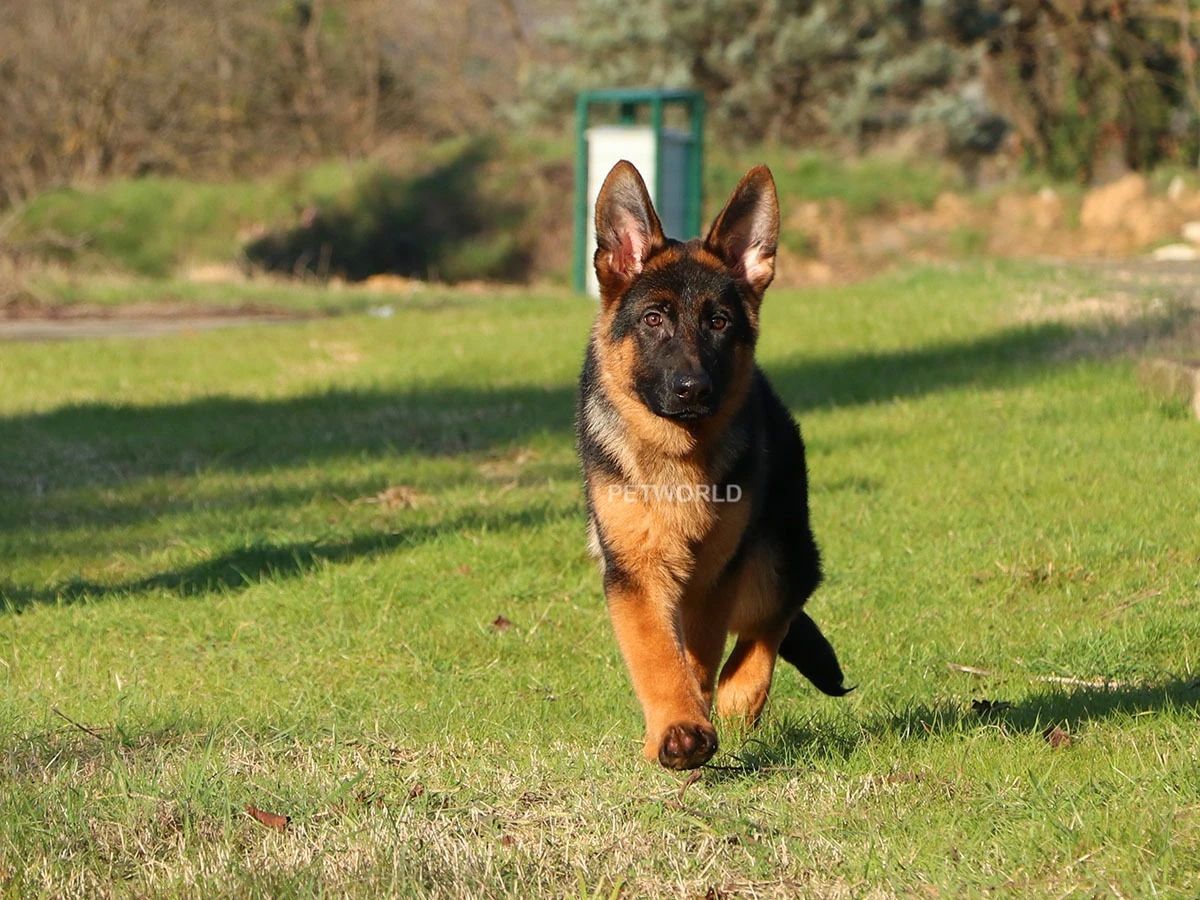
[{"x": 696, "y": 483}]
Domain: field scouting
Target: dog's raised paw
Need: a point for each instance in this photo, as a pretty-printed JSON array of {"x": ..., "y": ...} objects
[{"x": 687, "y": 745}]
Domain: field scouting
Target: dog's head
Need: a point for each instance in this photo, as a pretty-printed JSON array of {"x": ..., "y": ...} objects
[{"x": 684, "y": 316}]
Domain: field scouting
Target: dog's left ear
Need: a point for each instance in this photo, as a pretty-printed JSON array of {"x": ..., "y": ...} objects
[{"x": 746, "y": 233}]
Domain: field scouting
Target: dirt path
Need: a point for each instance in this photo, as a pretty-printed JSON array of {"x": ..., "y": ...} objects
[
  {"x": 31, "y": 321},
  {"x": 46, "y": 329},
  {"x": 1142, "y": 271}
]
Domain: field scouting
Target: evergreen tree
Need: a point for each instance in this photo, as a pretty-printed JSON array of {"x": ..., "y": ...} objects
[
  {"x": 1074, "y": 81},
  {"x": 792, "y": 70}
]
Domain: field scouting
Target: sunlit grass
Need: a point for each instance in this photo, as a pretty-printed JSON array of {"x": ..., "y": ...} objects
[{"x": 275, "y": 566}]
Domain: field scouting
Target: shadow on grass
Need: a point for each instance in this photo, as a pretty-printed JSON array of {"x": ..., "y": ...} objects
[
  {"x": 1065, "y": 707},
  {"x": 233, "y": 570},
  {"x": 444, "y": 225},
  {"x": 104, "y": 445},
  {"x": 232, "y": 496},
  {"x": 101, "y": 444},
  {"x": 246, "y": 566},
  {"x": 1070, "y": 708}
]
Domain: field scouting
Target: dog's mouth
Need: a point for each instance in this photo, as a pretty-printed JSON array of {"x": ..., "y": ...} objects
[
  {"x": 676, "y": 412},
  {"x": 692, "y": 414}
]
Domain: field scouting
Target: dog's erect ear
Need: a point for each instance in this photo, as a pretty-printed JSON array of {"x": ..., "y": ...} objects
[
  {"x": 746, "y": 232},
  {"x": 627, "y": 228}
]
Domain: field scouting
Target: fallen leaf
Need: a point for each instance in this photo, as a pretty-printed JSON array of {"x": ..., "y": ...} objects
[
  {"x": 416, "y": 791},
  {"x": 970, "y": 670},
  {"x": 398, "y": 496},
  {"x": 397, "y": 757},
  {"x": 508, "y": 466},
  {"x": 507, "y": 841},
  {"x": 902, "y": 777},
  {"x": 984, "y": 707},
  {"x": 1057, "y": 738},
  {"x": 464, "y": 570},
  {"x": 367, "y": 798},
  {"x": 501, "y": 624},
  {"x": 270, "y": 819}
]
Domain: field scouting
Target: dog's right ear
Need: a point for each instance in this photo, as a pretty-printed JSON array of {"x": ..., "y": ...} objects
[{"x": 627, "y": 229}]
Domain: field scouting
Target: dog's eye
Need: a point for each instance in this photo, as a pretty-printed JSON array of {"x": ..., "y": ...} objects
[
  {"x": 652, "y": 318},
  {"x": 718, "y": 322}
]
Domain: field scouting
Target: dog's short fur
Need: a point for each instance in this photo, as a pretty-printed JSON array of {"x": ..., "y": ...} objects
[{"x": 695, "y": 476}]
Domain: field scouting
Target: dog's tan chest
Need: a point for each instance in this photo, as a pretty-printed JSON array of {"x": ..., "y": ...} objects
[{"x": 673, "y": 524}]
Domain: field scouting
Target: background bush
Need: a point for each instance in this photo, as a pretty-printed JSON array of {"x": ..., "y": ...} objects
[{"x": 220, "y": 88}]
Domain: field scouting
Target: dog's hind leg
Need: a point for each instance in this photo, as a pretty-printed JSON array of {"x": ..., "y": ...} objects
[{"x": 746, "y": 677}]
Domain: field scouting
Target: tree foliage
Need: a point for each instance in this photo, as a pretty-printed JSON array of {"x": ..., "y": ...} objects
[
  {"x": 783, "y": 70},
  {"x": 1084, "y": 79},
  {"x": 202, "y": 87},
  {"x": 1070, "y": 79},
  {"x": 206, "y": 87}
]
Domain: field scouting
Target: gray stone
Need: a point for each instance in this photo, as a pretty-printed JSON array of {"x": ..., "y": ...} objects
[{"x": 1177, "y": 253}]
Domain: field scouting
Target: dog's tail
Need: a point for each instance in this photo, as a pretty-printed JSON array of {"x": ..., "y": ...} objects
[{"x": 809, "y": 651}]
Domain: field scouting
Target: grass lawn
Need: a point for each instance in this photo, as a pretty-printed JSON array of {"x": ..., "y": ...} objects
[
  {"x": 336, "y": 570},
  {"x": 158, "y": 226}
]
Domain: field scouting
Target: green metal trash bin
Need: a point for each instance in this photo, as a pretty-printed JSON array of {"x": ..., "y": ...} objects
[{"x": 670, "y": 160}]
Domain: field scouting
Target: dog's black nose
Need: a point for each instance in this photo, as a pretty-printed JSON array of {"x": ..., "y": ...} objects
[{"x": 692, "y": 387}]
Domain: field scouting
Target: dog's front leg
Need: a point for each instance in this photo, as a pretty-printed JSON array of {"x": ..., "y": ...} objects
[
  {"x": 705, "y": 619},
  {"x": 647, "y": 623}
]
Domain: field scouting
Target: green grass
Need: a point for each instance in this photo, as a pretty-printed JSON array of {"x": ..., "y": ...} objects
[
  {"x": 203, "y": 571},
  {"x": 154, "y": 225},
  {"x": 372, "y": 212},
  {"x": 869, "y": 185},
  {"x": 62, "y": 292},
  {"x": 455, "y": 211}
]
